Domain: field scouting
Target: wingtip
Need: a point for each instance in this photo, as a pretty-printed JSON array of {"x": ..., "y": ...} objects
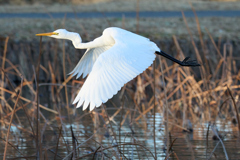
[
  {"x": 78, "y": 106},
  {"x": 75, "y": 101},
  {"x": 80, "y": 102},
  {"x": 85, "y": 106},
  {"x": 92, "y": 106},
  {"x": 78, "y": 75},
  {"x": 70, "y": 73}
]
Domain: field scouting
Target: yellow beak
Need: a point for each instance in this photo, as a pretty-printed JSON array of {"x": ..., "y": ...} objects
[{"x": 47, "y": 34}]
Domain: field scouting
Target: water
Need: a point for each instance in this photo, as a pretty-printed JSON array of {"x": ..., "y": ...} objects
[
  {"x": 91, "y": 131},
  {"x": 135, "y": 137}
]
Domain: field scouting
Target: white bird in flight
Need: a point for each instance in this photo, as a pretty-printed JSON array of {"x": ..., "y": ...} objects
[{"x": 111, "y": 60}]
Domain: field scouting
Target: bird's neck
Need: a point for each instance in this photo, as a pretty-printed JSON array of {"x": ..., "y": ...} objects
[
  {"x": 75, "y": 38},
  {"x": 77, "y": 41}
]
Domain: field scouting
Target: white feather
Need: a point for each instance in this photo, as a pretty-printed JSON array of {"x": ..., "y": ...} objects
[
  {"x": 116, "y": 66},
  {"x": 80, "y": 102},
  {"x": 86, "y": 63},
  {"x": 111, "y": 60},
  {"x": 86, "y": 103},
  {"x": 92, "y": 106}
]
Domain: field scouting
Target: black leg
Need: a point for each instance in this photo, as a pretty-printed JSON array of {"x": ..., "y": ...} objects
[{"x": 185, "y": 62}]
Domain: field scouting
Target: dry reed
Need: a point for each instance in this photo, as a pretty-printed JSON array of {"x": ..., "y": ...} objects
[{"x": 199, "y": 96}]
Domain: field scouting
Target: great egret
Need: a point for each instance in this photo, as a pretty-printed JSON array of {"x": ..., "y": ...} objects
[{"x": 111, "y": 60}]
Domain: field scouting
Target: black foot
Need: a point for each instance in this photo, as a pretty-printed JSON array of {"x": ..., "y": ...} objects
[
  {"x": 185, "y": 62},
  {"x": 192, "y": 63}
]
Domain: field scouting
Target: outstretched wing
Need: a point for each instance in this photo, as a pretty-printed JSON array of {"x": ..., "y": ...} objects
[
  {"x": 115, "y": 67},
  {"x": 86, "y": 63}
]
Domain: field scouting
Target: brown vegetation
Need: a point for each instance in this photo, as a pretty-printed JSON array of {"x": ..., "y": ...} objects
[{"x": 174, "y": 94}]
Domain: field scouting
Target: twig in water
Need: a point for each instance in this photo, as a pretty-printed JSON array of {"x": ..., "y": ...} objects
[
  {"x": 78, "y": 147},
  {"x": 236, "y": 109},
  {"x": 170, "y": 148},
  {"x": 13, "y": 146},
  {"x": 112, "y": 129},
  {"x": 74, "y": 155},
  {"x": 213, "y": 150},
  {"x": 207, "y": 139},
  {"x": 215, "y": 132},
  {"x": 95, "y": 152},
  {"x": 60, "y": 131},
  {"x": 9, "y": 126},
  {"x": 170, "y": 155}
]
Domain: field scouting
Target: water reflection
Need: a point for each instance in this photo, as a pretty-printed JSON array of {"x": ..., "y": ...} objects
[
  {"x": 93, "y": 131},
  {"x": 129, "y": 134}
]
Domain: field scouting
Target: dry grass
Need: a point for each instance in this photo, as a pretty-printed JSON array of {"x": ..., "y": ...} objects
[{"x": 199, "y": 95}]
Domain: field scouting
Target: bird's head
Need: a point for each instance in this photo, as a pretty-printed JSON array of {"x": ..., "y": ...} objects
[
  {"x": 63, "y": 34},
  {"x": 59, "y": 34}
]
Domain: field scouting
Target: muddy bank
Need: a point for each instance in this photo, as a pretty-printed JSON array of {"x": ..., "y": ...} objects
[{"x": 24, "y": 55}]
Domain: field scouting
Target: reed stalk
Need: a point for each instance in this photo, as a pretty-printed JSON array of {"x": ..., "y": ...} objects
[
  {"x": 3, "y": 67},
  {"x": 154, "y": 110},
  {"x": 236, "y": 110},
  {"x": 9, "y": 126},
  {"x": 165, "y": 108},
  {"x": 38, "y": 135}
]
